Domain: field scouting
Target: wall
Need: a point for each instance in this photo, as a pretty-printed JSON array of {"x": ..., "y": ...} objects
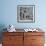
[{"x": 9, "y": 13}]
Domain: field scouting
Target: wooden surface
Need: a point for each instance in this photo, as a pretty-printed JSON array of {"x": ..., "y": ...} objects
[
  {"x": 13, "y": 39},
  {"x": 23, "y": 39},
  {"x": 34, "y": 39}
]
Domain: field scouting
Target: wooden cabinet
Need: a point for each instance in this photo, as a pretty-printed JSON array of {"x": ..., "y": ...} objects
[{"x": 23, "y": 39}]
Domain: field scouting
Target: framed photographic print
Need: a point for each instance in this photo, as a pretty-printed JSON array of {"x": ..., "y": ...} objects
[{"x": 26, "y": 13}]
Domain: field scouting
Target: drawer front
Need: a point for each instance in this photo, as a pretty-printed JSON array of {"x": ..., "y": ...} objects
[
  {"x": 37, "y": 45},
  {"x": 34, "y": 33},
  {"x": 13, "y": 33},
  {"x": 37, "y": 39},
  {"x": 12, "y": 39},
  {"x": 12, "y": 44}
]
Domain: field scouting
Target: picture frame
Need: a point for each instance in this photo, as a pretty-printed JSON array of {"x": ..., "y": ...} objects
[{"x": 26, "y": 13}]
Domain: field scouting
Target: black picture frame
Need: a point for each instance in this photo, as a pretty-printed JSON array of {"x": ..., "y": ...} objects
[{"x": 26, "y": 13}]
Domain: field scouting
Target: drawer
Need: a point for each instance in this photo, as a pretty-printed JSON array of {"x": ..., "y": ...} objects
[
  {"x": 37, "y": 39},
  {"x": 37, "y": 44},
  {"x": 13, "y": 33},
  {"x": 12, "y": 38},
  {"x": 34, "y": 33},
  {"x": 13, "y": 44}
]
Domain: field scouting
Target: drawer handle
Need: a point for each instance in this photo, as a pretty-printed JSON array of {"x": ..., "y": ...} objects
[
  {"x": 33, "y": 39},
  {"x": 11, "y": 38}
]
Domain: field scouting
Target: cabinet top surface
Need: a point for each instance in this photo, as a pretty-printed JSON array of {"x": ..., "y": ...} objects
[{"x": 22, "y": 30}]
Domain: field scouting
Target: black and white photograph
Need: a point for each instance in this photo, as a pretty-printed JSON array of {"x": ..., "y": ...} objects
[{"x": 26, "y": 13}]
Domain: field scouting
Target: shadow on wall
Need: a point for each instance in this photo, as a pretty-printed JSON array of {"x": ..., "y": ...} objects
[{"x": 2, "y": 26}]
